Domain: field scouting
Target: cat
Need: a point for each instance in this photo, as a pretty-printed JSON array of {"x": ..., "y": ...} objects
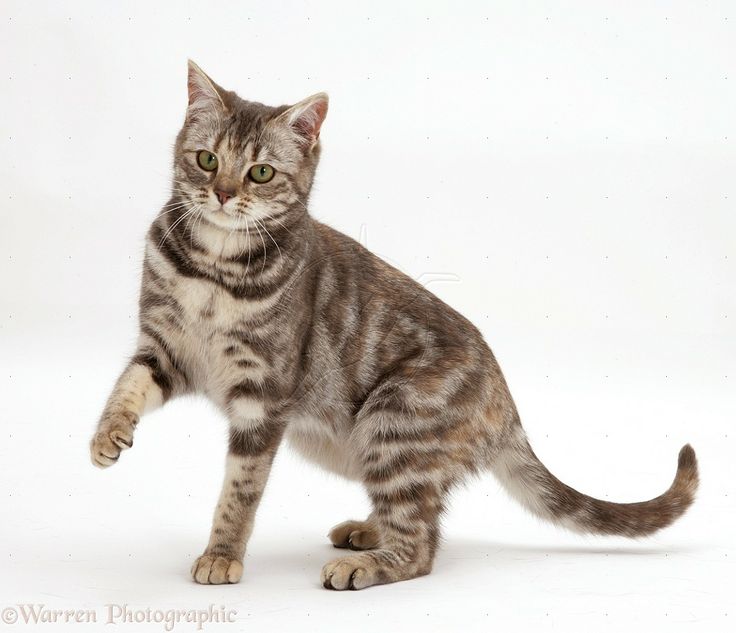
[{"x": 296, "y": 331}]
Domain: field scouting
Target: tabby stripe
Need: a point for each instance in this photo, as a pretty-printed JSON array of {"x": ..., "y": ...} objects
[
  {"x": 246, "y": 389},
  {"x": 162, "y": 345},
  {"x": 160, "y": 377},
  {"x": 254, "y": 442}
]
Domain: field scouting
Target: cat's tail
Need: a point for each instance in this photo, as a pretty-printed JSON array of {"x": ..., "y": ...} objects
[{"x": 528, "y": 481}]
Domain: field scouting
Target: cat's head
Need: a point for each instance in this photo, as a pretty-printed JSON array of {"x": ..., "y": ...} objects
[{"x": 239, "y": 161}]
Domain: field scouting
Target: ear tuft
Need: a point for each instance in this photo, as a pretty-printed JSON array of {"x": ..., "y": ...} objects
[
  {"x": 204, "y": 94},
  {"x": 306, "y": 117}
]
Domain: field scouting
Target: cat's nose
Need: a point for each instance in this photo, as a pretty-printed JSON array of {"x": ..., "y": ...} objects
[{"x": 224, "y": 196}]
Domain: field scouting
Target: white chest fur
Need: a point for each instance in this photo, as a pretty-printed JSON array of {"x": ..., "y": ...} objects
[{"x": 206, "y": 317}]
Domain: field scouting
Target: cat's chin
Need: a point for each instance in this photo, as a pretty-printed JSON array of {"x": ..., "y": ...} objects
[{"x": 225, "y": 220}]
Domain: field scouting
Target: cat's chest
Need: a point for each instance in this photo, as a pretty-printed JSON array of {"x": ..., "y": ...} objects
[
  {"x": 206, "y": 309},
  {"x": 209, "y": 320}
]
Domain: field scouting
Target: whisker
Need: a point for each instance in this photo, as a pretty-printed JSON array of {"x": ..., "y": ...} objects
[
  {"x": 263, "y": 226},
  {"x": 263, "y": 267},
  {"x": 163, "y": 213},
  {"x": 269, "y": 217},
  {"x": 171, "y": 204},
  {"x": 176, "y": 208},
  {"x": 247, "y": 230},
  {"x": 301, "y": 203},
  {"x": 189, "y": 223},
  {"x": 202, "y": 211},
  {"x": 176, "y": 202},
  {"x": 175, "y": 224},
  {"x": 182, "y": 205}
]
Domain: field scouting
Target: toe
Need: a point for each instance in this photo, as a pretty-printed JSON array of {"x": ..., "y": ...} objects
[
  {"x": 216, "y": 570},
  {"x": 340, "y": 534},
  {"x": 344, "y": 573},
  {"x": 202, "y": 570},
  {"x": 360, "y": 579},
  {"x": 122, "y": 438},
  {"x": 363, "y": 539},
  {"x": 102, "y": 451},
  {"x": 340, "y": 576},
  {"x": 235, "y": 571}
]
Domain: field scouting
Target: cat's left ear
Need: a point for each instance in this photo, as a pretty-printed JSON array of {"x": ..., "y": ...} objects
[{"x": 306, "y": 117}]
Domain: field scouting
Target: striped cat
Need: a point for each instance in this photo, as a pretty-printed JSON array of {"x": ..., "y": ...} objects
[{"x": 296, "y": 331}]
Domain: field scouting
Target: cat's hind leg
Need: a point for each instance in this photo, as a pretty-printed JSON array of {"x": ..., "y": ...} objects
[
  {"x": 407, "y": 472},
  {"x": 407, "y": 518}
]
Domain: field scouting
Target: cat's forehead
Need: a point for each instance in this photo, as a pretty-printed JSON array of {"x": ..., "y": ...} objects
[
  {"x": 247, "y": 119},
  {"x": 243, "y": 132}
]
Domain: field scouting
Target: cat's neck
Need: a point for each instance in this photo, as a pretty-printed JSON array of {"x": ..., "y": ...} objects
[{"x": 248, "y": 261}]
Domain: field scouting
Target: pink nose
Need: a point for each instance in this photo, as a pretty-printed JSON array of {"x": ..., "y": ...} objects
[{"x": 223, "y": 196}]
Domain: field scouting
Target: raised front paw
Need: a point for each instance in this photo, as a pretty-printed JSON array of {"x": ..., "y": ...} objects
[
  {"x": 114, "y": 434},
  {"x": 211, "y": 569}
]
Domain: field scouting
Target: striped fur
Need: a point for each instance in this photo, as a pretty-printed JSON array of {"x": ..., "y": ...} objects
[{"x": 296, "y": 331}]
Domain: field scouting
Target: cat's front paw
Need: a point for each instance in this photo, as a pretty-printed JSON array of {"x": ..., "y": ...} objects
[
  {"x": 210, "y": 569},
  {"x": 114, "y": 435}
]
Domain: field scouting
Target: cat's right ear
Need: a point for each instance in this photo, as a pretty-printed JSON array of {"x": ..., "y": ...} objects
[{"x": 204, "y": 94}]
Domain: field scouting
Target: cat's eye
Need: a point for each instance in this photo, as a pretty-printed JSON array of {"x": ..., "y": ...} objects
[
  {"x": 207, "y": 160},
  {"x": 261, "y": 173}
]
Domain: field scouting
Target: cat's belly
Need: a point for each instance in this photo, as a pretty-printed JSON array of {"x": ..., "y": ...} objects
[{"x": 316, "y": 441}]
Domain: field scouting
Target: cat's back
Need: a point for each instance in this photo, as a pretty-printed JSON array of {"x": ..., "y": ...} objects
[{"x": 352, "y": 275}]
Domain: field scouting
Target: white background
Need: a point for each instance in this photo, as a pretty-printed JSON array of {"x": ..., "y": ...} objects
[{"x": 572, "y": 163}]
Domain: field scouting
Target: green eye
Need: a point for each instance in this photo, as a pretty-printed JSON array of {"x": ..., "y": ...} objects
[
  {"x": 261, "y": 173},
  {"x": 207, "y": 160}
]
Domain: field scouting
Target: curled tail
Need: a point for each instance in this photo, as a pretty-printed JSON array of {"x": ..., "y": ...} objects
[{"x": 528, "y": 481}]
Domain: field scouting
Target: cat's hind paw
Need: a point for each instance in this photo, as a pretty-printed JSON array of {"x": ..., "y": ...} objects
[
  {"x": 356, "y": 535},
  {"x": 352, "y": 572}
]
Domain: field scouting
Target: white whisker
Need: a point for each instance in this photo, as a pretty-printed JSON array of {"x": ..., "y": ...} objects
[
  {"x": 263, "y": 267},
  {"x": 175, "y": 224},
  {"x": 263, "y": 226},
  {"x": 247, "y": 230},
  {"x": 181, "y": 205},
  {"x": 189, "y": 225},
  {"x": 270, "y": 217},
  {"x": 301, "y": 203}
]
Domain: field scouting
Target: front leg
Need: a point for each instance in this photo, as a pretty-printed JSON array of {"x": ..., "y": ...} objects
[
  {"x": 252, "y": 447},
  {"x": 151, "y": 378},
  {"x": 136, "y": 391}
]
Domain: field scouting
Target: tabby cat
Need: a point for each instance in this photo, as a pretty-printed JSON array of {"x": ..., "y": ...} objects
[{"x": 295, "y": 330}]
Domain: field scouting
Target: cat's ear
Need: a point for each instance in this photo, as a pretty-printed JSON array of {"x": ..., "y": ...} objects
[
  {"x": 306, "y": 117},
  {"x": 204, "y": 94}
]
